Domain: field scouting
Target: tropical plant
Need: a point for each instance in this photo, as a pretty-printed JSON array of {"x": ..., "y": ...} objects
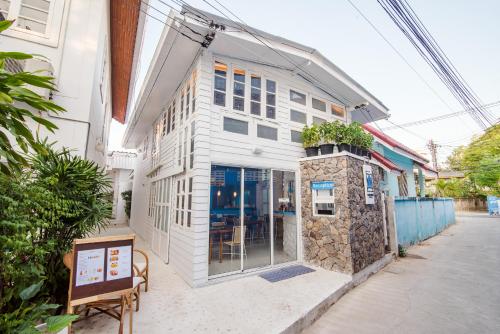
[
  {"x": 16, "y": 98},
  {"x": 326, "y": 132},
  {"x": 127, "y": 197},
  {"x": 355, "y": 134},
  {"x": 366, "y": 141},
  {"x": 32, "y": 312},
  {"x": 310, "y": 136},
  {"x": 341, "y": 136},
  {"x": 61, "y": 197}
]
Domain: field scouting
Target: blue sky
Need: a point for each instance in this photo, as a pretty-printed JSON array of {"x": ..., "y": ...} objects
[{"x": 468, "y": 31}]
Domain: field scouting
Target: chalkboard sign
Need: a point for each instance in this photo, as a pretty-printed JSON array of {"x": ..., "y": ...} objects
[{"x": 100, "y": 266}]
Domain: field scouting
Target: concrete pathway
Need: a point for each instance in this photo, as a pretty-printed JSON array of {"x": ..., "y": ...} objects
[
  {"x": 448, "y": 284},
  {"x": 244, "y": 305}
]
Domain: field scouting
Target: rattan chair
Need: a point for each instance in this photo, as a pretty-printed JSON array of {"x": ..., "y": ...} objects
[{"x": 141, "y": 269}]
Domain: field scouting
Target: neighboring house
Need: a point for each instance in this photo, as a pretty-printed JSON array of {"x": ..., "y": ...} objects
[
  {"x": 404, "y": 169},
  {"x": 217, "y": 128},
  {"x": 120, "y": 168},
  {"x": 89, "y": 50}
]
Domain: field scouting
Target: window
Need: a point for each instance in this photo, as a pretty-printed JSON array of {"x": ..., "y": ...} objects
[
  {"x": 220, "y": 84},
  {"x": 267, "y": 132},
  {"x": 189, "y": 208},
  {"x": 318, "y": 104},
  {"x": 317, "y": 120},
  {"x": 239, "y": 90},
  {"x": 323, "y": 201},
  {"x": 169, "y": 119},
  {"x": 235, "y": 125},
  {"x": 188, "y": 99},
  {"x": 337, "y": 111},
  {"x": 184, "y": 148},
  {"x": 164, "y": 124},
  {"x": 178, "y": 201},
  {"x": 151, "y": 201},
  {"x": 255, "y": 95},
  {"x": 296, "y": 136},
  {"x": 35, "y": 20},
  {"x": 297, "y": 97},
  {"x": 173, "y": 115},
  {"x": 271, "y": 99},
  {"x": 191, "y": 147},
  {"x": 297, "y": 116},
  {"x": 181, "y": 113},
  {"x": 194, "y": 93},
  {"x": 179, "y": 149}
]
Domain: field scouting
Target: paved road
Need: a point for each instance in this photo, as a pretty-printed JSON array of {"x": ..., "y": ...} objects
[{"x": 448, "y": 284}]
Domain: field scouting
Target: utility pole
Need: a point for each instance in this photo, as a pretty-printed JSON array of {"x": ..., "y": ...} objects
[{"x": 433, "y": 148}]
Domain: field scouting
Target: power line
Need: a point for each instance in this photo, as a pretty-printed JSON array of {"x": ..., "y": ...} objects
[
  {"x": 441, "y": 117},
  {"x": 400, "y": 55},
  {"x": 412, "y": 27}
]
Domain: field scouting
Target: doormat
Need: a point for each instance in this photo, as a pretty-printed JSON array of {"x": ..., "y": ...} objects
[{"x": 285, "y": 273}]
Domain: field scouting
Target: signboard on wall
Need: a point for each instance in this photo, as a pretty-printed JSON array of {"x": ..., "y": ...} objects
[
  {"x": 368, "y": 181},
  {"x": 493, "y": 205},
  {"x": 322, "y": 185},
  {"x": 100, "y": 266}
]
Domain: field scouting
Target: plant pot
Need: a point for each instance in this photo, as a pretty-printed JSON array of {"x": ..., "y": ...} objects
[
  {"x": 326, "y": 148},
  {"x": 312, "y": 151},
  {"x": 343, "y": 147},
  {"x": 368, "y": 154}
]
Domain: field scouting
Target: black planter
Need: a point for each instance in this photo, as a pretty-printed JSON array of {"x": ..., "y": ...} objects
[
  {"x": 343, "y": 147},
  {"x": 326, "y": 148},
  {"x": 312, "y": 151},
  {"x": 353, "y": 149},
  {"x": 368, "y": 154}
]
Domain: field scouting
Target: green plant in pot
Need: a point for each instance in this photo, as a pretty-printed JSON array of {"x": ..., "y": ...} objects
[
  {"x": 310, "y": 140},
  {"x": 341, "y": 136},
  {"x": 356, "y": 135},
  {"x": 326, "y": 132},
  {"x": 366, "y": 144}
]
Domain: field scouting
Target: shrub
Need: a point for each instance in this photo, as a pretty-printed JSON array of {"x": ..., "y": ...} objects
[
  {"x": 59, "y": 198},
  {"x": 327, "y": 132},
  {"x": 310, "y": 136},
  {"x": 127, "y": 197}
]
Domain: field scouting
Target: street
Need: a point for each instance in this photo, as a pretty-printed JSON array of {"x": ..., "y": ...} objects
[{"x": 448, "y": 284}]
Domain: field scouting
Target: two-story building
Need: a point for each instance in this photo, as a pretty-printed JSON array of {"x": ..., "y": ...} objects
[
  {"x": 217, "y": 126},
  {"x": 88, "y": 46}
]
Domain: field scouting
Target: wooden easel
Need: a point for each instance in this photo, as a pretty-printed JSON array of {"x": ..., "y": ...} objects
[{"x": 102, "y": 296}]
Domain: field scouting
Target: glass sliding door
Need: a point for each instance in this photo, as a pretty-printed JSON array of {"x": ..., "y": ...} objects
[
  {"x": 253, "y": 221},
  {"x": 257, "y": 250},
  {"x": 225, "y": 242},
  {"x": 284, "y": 217}
]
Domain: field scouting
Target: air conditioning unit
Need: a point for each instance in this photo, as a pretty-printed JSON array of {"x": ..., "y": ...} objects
[{"x": 31, "y": 65}]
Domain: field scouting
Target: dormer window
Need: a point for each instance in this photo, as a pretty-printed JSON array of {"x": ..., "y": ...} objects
[
  {"x": 220, "y": 74},
  {"x": 239, "y": 90}
]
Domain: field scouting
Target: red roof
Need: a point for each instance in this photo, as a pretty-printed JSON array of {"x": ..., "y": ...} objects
[
  {"x": 384, "y": 161},
  {"x": 393, "y": 142},
  {"x": 428, "y": 168}
]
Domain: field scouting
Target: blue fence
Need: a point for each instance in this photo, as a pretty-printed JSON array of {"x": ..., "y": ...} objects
[{"x": 420, "y": 218}]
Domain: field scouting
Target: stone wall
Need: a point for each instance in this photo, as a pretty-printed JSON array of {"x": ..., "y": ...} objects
[{"x": 354, "y": 237}]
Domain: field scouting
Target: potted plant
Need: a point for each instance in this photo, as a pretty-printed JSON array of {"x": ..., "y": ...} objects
[
  {"x": 342, "y": 137},
  {"x": 356, "y": 134},
  {"x": 326, "y": 132},
  {"x": 310, "y": 140},
  {"x": 367, "y": 142}
]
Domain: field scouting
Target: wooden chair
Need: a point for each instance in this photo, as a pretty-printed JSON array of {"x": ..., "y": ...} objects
[
  {"x": 236, "y": 241},
  {"x": 141, "y": 269}
]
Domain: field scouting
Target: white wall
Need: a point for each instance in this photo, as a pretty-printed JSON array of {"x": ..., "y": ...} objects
[
  {"x": 77, "y": 58},
  {"x": 189, "y": 245}
]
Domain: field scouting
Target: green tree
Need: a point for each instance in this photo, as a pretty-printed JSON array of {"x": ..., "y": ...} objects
[{"x": 18, "y": 103}]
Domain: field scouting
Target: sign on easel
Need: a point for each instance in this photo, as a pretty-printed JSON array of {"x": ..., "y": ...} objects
[
  {"x": 368, "y": 181},
  {"x": 100, "y": 268}
]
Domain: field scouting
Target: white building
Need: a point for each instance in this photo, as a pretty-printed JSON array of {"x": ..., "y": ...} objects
[
  {"x": 120, "y": 168},
  {"x": 82, "y": 41},
  {"x": 213, "y": 123}
]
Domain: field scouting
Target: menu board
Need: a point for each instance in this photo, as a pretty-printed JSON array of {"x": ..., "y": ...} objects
[
  {"x": 118, "y": 265},
  {"x": 100, "y": 266},
  {"x": 90, "y": 267}
]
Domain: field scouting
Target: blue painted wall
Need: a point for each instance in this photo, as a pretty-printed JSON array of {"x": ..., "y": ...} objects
[
  {"x": 418, "y": 219},
  {"x": 403, "y": 163}
]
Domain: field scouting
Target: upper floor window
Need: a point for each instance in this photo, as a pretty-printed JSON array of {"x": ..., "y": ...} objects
[
  {"x": 296, "y": 136},
  {"x": 298, "y": 116},
  {"x": 297, "y": 97},
  {"x": 36, "y": 20},
  {"x": 194, "y": 92},
  {"x": 173, "y": 115},
  {"x": 318, "y": 104},
  {"x": 181, "y": 110},
  {"x": 239, "y": 90},
  {"x": 220, "y": 75},
  {"x": 267, "y": 132},
  {"x": 317, "y": 120},
  {"x": 188, "y": 99},
  {"x": 255, "y": 94},
  {"x": 338, "y": 111},
  {"x": 235, "y": 125},
  {"x": 164, "y": 124},
  {"x": 271, "y": 99},
  {"x": 145, "y": 148},
  {"x": 169, "y": 119}
]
